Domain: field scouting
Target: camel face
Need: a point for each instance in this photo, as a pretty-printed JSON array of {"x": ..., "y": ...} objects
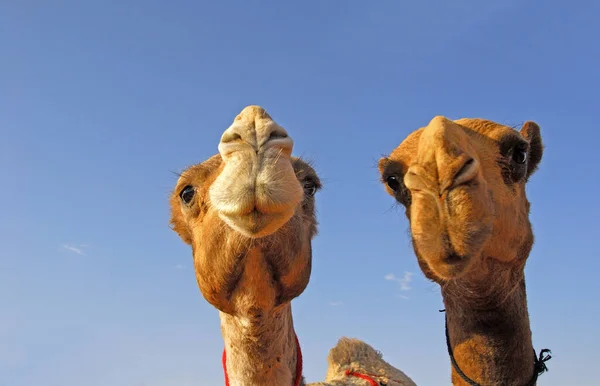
[
  {"x": 463, "y": 186},
  {"x": 257, "y": 191},
  {"x": 249, "y": 215}
]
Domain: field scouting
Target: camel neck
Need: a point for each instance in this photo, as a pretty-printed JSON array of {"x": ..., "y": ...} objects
[
  {"x": 489, "y": 332},
  {"x": 260, "y": 349}
]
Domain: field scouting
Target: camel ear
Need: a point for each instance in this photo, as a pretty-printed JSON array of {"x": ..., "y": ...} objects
[
  {"x": 531, "y": 132},
  {"x": 381, "y": 164}
]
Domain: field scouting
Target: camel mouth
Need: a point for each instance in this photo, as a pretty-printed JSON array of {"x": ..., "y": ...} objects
[
  {"x": 255, "y": 223},
  {"x": 453, "y": 259},
  {"x": 257, "y": 195},
  {"x": 449, "y": 266},
  {"x": 448, "y": 243},
  {"x": 452, "y": 266},
  {"x": 259, "y": 208}
]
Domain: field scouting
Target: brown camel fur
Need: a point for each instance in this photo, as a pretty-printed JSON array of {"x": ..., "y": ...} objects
[
  {"x": 462, "y": 184},
  {"x": 249, "y": 215}
]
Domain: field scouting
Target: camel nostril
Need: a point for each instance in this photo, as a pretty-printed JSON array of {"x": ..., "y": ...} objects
[
  {"x": 466, "y": 173},
  {"x": 275, "y": 137},
  {"x": 230, "y": 137},
  {"x": 260, "y": 136},
  {"x": 465, "y": 166},
  {"x": 277, "y": 134}
]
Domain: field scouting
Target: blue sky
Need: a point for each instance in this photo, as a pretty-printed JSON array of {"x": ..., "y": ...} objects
[{"x": 101, "y": 100}]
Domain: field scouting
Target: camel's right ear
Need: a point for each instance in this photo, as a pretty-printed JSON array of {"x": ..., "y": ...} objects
[
  {"x": 177, "y": 222},
  {"x": 381, "y": 164},
  {"x": 531, "y": 132}
]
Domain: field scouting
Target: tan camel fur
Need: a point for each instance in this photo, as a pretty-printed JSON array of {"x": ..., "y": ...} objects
[
  {"x": 462, "y": 184},
  {"x": 249, "y": 215}
]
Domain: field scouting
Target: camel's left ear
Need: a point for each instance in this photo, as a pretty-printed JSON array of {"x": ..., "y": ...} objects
[{"x": 531, "y": 132}]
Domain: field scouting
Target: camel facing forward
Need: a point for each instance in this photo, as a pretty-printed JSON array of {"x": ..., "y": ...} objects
[
  {"x": 463, "y": 186},
  {"x": 249, "y": 215}
]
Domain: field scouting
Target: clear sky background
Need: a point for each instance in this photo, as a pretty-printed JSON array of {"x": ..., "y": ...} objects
[{"x": 101, "y": 100}]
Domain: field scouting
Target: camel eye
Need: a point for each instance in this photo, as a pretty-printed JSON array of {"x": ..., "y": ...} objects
[
  {"x": 519, "y": 156},
  {"x": 310, "y": 188},
  {"x": 393, "y": 183},
  {"x": 514, "y": 149},
  {"x": 187, "y": 194}
]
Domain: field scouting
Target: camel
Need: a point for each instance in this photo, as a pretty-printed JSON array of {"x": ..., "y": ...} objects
[
  {"x": 248, "y": 214},
  {"x": 462, "y": 184}
]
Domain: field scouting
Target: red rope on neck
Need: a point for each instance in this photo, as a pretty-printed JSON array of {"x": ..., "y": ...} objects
[
  {"x": 225, "y": 367},
  {"x": 367, "y": 378},
  {"x": 371, "y": 377},
  {"x": 298, "y": 364}
]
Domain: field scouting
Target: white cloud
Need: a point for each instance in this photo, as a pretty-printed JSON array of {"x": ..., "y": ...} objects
[
  {"x": 404, "y": 281},
  {"x": 403, "y": 297},
  {"x": 179, "y": 266},
  {"x": 334, "y": 304},
  {"x": 78, "y": 249}
]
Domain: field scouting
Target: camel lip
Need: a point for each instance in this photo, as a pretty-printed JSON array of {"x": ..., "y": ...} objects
[
  {"x": 255, "y": 224},
  {"x": 252, "y": 214},
  {"x": 257, "y": 214},
  {"x": 454, "y": 259},
  {"x": 254, "y": 211},
  {"x": 451, "y": 266},
  {"x": 258, "y": 217}
]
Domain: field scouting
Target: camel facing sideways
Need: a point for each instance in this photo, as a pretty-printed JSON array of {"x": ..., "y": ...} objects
[
  {"x": 462, "y": 184},
  {"x": 249, "y": 215}
]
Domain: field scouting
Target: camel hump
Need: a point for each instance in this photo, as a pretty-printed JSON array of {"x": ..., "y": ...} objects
[{"x": 357, "y": 356}]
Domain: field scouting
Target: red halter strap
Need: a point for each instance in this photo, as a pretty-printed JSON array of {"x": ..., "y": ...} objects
[
  {"x": 372, "y": 382},
  {"x": 298, "y": 364},
  {"x": 370, "y": 377}
]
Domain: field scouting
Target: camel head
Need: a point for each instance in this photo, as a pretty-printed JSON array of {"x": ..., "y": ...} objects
[
  {"x": 462, "y": 184},
  {"x": 249, "y": 215}
]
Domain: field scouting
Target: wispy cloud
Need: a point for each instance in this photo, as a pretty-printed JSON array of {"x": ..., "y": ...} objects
[
  {"x": 335, "y": 304},
  {"x": 179, "y": 266},
  {"x": 404, "y": 281},
  {"x": 75, "y": 248}
]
